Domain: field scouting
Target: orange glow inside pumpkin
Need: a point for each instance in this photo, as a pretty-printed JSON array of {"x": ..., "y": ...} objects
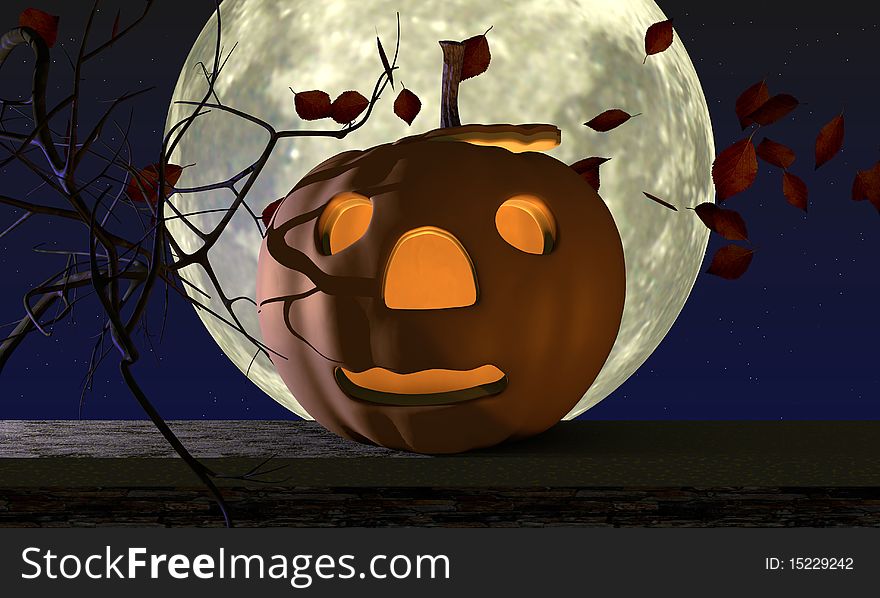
[
  {"x": 344, "y": 220},
  {"x": 514, "y": 138},
  {"x": 514, "y": 145},
  {"x": 526, "y": 223},
  {"x": 424, "y": 381},
  {"x": 429, "y": 269}
]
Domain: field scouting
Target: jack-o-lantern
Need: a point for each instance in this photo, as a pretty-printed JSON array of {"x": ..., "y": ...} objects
[{"x": 445, "y": 292}]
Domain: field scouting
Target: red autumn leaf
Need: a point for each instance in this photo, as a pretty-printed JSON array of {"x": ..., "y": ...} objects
[
  {"x": 348, "y": 106},
  {"x": 735, "y": 169},
  {"x": 776, "y": 154},
  {"x": 588, "y": 168},
  {"x": 407, "y": 106},
  {"x": 312, "y": 105},
  {"x": 727, "y": 223},
  {"x": 610, "y": 119},
  {"x": 476, "y": 56},
  {"x": 270, "y": 210},
  {"x": 663, "y": 203},
  {"x": 749, "y": 101},
  {"x": 730, "y": 262},
  {"x": 829, "y": 141},
  {"x": 658, "y": 38},
  {"x": 859, "y": 188},
  {"x": 774, "y": 109},
  {"x": 867, "y": 185},
  {"x": 795, "y": 191},
  {"x": 115, "y": 31},
  {"x": 148, "y": 179},
  {"x": 43, "y": 23}
]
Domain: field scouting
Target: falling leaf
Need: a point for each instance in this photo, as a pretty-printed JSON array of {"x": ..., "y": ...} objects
[
  {"x": 829, "y": 141},
  {"x": 43, "y": 23},
  {"x": 658, "y": 38},
  {"x": 149, "y": 180},
  {"x": 776, "y": 154},
  {"x": 774, "y": 109},
  {"x": 859, "y": 188},
  {"x": 735, "y": 169},
  {"x": 795, "y": 190},
  {"x": 610, "y": 119},
  {"x": 115, "y": 30},
  {"x": 311, "y": 105},
  {"x": 727, "y": 223},
  {"x": 588, "y": 168},
  {"x": 730, "y": 262},
  {"x": 660, "y": 201},
  {"x": 270, "y": 210},
  {"x": 385, "y": 64},
  {"x": 866, "y": 185},
  {"x": 348, "y": 106},
  {"x": 749, "y": 101},
  {"x": 476, "y": 56},
  {"x": 407, "y": 105}
]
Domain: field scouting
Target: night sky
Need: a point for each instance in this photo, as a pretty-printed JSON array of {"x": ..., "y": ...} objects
[{"x": 795, "y": 338}]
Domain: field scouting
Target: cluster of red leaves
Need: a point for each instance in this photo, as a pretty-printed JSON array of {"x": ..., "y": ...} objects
[
  {"x": 727, "y": 223},
  {"x": 315, "y": 104},
  {"x": 736, "y": 168},
  {"x": 657, "y": 39},
  {"x": 588, "y": 168}
]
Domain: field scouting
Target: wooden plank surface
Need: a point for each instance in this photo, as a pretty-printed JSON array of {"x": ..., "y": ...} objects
[
  {"x": 586, "y": 454},
  {"x": 657, "y": 474}
]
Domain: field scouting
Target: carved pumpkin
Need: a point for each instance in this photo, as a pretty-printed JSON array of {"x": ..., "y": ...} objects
[{"x": 445, "y": 292}]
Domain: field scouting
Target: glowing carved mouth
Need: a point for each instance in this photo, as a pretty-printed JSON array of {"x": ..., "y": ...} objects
[{"x": 426, "y": 387}]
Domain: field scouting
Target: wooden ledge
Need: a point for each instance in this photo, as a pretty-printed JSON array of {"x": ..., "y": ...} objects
[{"x": 573, "y": 454}]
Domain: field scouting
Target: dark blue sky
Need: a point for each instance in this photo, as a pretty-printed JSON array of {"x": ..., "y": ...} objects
[{"x": 793, "y": 339}]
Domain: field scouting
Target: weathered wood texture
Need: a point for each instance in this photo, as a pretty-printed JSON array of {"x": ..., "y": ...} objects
[
  {"x": 443, "y": 507},
  {"x": 580, "y": 473}
]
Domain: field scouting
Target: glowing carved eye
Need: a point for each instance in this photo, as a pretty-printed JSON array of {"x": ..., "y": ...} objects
[
  {"x": 526, "y": 223},
  {"x": 344, "y": 220}
]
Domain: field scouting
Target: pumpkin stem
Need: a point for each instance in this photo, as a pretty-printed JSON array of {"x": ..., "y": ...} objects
[{"x": 453, "y": 60}]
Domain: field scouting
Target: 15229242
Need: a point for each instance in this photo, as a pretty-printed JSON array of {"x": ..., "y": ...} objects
[{"x": 821, "y": 563}]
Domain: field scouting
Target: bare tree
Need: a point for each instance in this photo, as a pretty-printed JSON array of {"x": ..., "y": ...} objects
[{"x": 120, "y": 269}]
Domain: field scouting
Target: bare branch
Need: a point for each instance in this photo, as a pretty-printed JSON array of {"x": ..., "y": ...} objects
[
  {"x": 25, "y": 36},
  {"x": 89, "y": 55},
  {"x": 16, "y": 224}
]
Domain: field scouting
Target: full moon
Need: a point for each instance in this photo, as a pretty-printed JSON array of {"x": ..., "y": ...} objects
[{"x": 553, "y": 61}]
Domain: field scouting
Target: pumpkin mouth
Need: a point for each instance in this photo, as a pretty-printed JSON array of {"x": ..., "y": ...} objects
[{"x": 425, "y": 387}]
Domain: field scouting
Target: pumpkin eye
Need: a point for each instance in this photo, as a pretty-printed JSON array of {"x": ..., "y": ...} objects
[
  {"x": 525, "y": 222},
  {"x": 344, "y": 220}
]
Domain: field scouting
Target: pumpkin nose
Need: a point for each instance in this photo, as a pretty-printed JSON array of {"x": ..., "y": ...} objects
[{"x": 429, "y": 269}]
